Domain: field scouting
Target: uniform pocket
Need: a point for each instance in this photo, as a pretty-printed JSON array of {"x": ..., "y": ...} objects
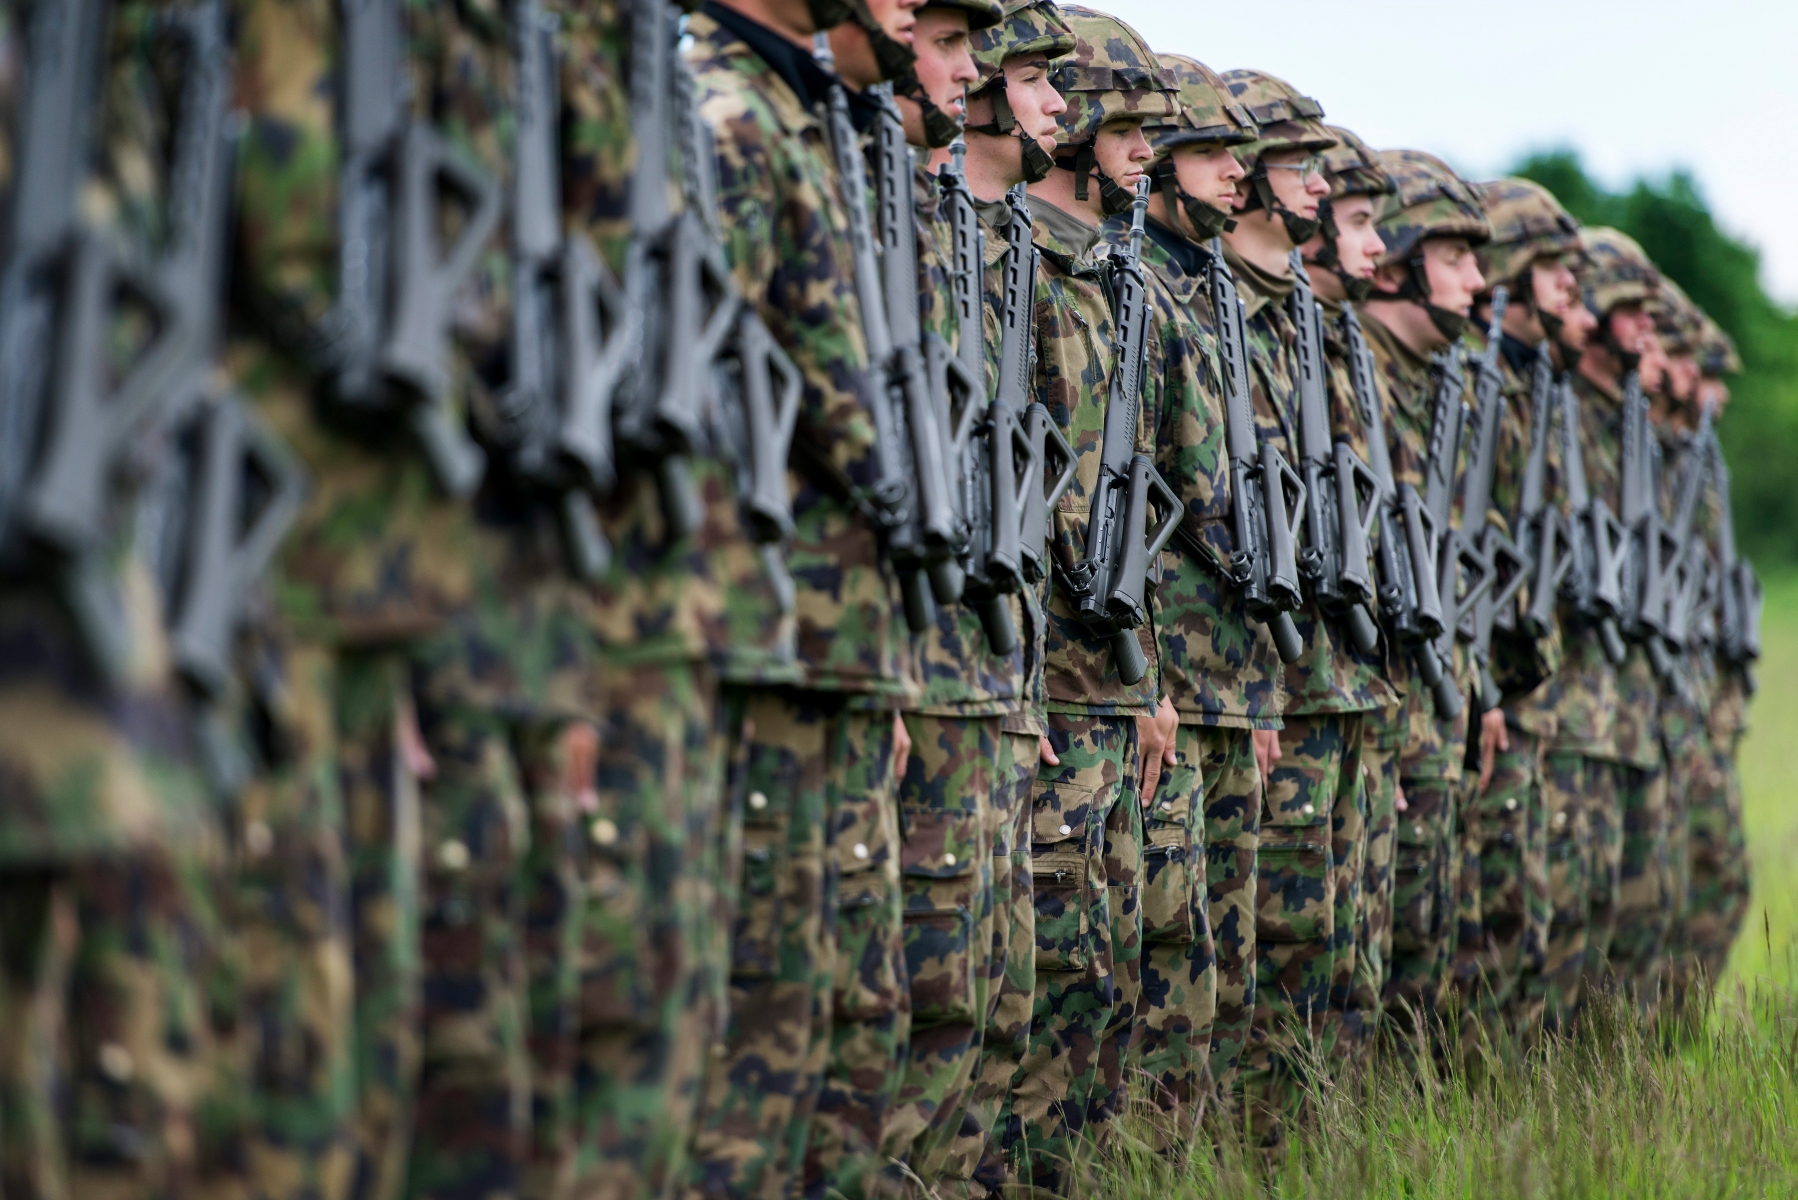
[
  {"x": 771, "y": 780},
  {"x": 1416, "y": 878},
  {"x": 938, "y": 862},
  {"x": 1060, "y": 815},
  {"x": 1295, "y": 887},
  {"x": 939, "y": 962},
  {"x": 1173, "y": 860},
  {"x": 1503, "y": 835}
]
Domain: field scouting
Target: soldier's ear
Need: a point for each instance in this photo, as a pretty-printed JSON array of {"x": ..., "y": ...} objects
[{"x": 1388, "y": 279}]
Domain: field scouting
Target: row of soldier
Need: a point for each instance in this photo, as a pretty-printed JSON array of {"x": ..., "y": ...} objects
[{"x": 816, "y": 596}]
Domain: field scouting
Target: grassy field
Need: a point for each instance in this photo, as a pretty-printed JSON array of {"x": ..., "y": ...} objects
[{"x": 1613, "y": 1114}]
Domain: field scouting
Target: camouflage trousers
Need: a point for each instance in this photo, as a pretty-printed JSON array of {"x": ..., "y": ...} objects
[
  {"x": 108, "y": 1063},
  {"x": 1573, "y": 788},
  {"x": 1717, "y": 891},
  {"x": 1606, "y": 783},
  {"x": 1232, "y": 780},
  {"x": 947, "y": 870},
  {"x": 1426, "y": 860},
  {"x": 972, "y": 1161},
  {"x": 1061, "y": 1084},
  {"x": 1507, "y": 828},
  {"x": 639, "y": 928},
  {"x": 1373, "y": 917},
  {"x": 817, "y": 791},
  {"x": 1645, "y": 890},
  {"x": 1170, "y": 1044},
  {"x": 1314, "y": 810}
]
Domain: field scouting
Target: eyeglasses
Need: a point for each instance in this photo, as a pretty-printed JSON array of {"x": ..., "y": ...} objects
[{"x": 1307, "y": 168}]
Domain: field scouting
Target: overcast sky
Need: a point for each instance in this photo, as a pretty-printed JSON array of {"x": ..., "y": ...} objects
[{"x": 1643, "y": 87}]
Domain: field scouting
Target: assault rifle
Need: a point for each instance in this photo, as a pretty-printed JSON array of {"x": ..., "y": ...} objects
[
  {"x": 65, "y": 286},
  {"x": 1054, "y": 464},
  {"x": 1341, "y": 493},
  {"x": 1107, "y": 585},
  {"x": 1689, "y": 569},
  {"x": 1650, "y": 551},
  {"x": 1739, "y": 588},
  {"x": 1504, "y": 563},
  {"x": 997, "y": 461},
  {"x": 1462, "y": 572},
  {"x": 1543, "y": 537},
  {"x": 896, "y": 500},
  {"x": 1264, "y": 489},
  {"x": 386, "y": 341},
  {"x": 1405, "y": 554},
  {"x": 1595, "y": 584}
]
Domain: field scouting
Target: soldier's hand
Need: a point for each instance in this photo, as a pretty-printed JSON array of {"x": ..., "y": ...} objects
[
  {"x": 1493, "y": 738},
  {"x": 1155, "y": 745},
  {"x": 410, "y": 741},
  {"x": 901, "y": 746},
  {"x": 1267, "y": 751},
  {"x": 1398, "y": 799},
  {"x": 1047, "y": 749},
  {"x": 580, "y": 764}
]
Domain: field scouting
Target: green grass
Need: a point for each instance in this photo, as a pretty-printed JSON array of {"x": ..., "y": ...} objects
[{"x": 1613, "y": 1113}]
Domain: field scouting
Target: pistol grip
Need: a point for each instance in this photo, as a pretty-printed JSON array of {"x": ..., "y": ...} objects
[
  {"x": 1361, "y": 630},
  {"x": 995, "y": 620},
  {"x": 920, "y": 610},
  {"x": 1127, "y": 656},
  {"x": 1287, "y": 642}
]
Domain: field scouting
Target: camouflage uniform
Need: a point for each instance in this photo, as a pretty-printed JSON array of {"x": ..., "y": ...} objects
[
  {"x": 1219, "y": 668},
  {"x": 818, "y": 1006},
  {"x": 1354, "y": 170},
  {"x": 1086, "y": 823},
  {"x": 1313, "y": 819},
  {"x": 1430, "y": 201},
  {"x": 1629, "y": 834},
  {"x": 1508, "y": 822}
]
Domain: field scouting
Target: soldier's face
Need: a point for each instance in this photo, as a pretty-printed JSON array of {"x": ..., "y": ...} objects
[
  {"x": 1554, "y": 286},
  {"x": 1632, "y": 327},
  {"x": 1713, "y": 393},
  {"x": 1122, "y": 151},
  {"x": 1453, "y": 272},
  {"x": 1298, "y": 192},
  {"x": 1577, "y": 328},
  {"x": 945, "y": 66},
  {"x": 855, "y": 55},
  {"x": 1358, "y": 244},
  {"x": 1653, "y": 367},
  {"x": 1682, "y": 378},
  {"x": 1207, "y": 173},
  {"x": 1034, "y": 101}
]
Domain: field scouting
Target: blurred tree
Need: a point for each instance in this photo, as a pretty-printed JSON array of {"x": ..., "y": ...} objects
[{"x": 1722, "y": 274}]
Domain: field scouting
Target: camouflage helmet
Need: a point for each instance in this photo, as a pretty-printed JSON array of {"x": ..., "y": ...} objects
[
  {"x": 1205, "y": 111},
  {"x": 1023, "y": 27},
  {"x": 982, "y": 14},
  {"x": 1284, "y": 120},
  {"x": 1679, "y": 321},
  {"x": 1528, "y": 223},
  {"x": 1026, "y": 27},
  {"x": 1354, "y": 167},
  {"x": 1428, "y": 200},
  {"x": 1717, "y": 351},
  {"x": 1111, "y": 74},
  {"x": 1619, "y": 271}
]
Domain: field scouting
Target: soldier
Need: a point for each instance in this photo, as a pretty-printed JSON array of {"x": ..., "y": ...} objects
[
  {"x": 820, "y": 842},
  {"x": 1341, "y": 259},
  {"x": 1626, "y": 800},
  {"x": 1219, "y": 667},
  {"x": 1422, "y": 292},
  {"x": 1010, "y": 134},
  {"x": 1313, "y": 814},
  {"x": 1533, "y": 253},
  {"x": 1104, "y": 736},
  {"x": 110, "y": 837}
]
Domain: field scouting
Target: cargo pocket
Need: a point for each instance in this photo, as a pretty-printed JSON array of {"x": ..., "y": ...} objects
[
  {"x": 1503, "y": 833},
  {"x": 1059, "y": 872},
  {"x": 938, "y": 864},
  {"x": 1173, "y": 860},
  {"x": 870, "y": 957},
  {"x": 771, "y": 781},
  {"x": 1295, "y": 887},
  {"x": 1416, "y": 869}
]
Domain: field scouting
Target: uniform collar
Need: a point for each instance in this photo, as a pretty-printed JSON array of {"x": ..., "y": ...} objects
[
  {"x": 1256, "y": 287},
  {"x": 807, "y": 83},
  {"x": 1061, "y": 233}
]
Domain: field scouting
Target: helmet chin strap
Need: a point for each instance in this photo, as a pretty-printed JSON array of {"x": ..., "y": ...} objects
[
  {"x": 1207, "y": 220},
  {"x": 1355, "y": 287},
  {"x": 939, "y": 127},
  {"x": 1036, "y": 161},
  {"x": 1113, "y": 199},
  {"x": 1261, "y": 195},
  {"x": 1416, "y": 288}
]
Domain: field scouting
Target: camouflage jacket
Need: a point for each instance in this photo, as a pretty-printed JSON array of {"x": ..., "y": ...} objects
[
  {"x": 1328, "y": 677},
  {"x": 1073, "y": 367},
  {"x": 1634, "y": 739},
  {"x": 1434, "y": 747},
  {"x": 788, "y": 244},
  {"x": 1217, "y": 666},
  {"x": 961, "y": 675}
]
